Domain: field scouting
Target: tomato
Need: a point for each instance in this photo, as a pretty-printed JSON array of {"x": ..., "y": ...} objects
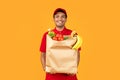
[
  {"x": 60, "y": 38},
  {"x": 57, "y": 35},
  {"x": 55, "y": 38}
]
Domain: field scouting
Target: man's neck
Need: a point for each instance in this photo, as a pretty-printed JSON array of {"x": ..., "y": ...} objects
[{"x": 59, "y": 29}]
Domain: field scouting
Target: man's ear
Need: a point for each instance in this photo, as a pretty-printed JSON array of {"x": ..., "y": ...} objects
[
  {"x": 65, "y": 19},
  {"x": 53, "y": 18}
]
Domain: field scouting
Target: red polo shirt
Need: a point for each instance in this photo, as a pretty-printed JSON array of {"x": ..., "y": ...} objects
[{"x": 57, "y": 76}]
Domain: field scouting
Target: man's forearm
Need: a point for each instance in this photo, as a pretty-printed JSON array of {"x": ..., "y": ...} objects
[
  {"x": 78, "y": 58},
  {"x": 43, "y": 60}
]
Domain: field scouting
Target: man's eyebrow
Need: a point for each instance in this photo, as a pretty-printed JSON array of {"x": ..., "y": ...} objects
[{"x": 63, "y": 15}]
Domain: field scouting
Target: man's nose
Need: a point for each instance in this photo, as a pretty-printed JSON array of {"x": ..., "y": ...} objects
[{"x": 60, "y": 18}]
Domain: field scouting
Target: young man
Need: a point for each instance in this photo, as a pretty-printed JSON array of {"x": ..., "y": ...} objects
[{"x": 60, "y": 18}]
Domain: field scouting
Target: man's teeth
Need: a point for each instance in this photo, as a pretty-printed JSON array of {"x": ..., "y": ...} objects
[{"x": 59, "y": 21}]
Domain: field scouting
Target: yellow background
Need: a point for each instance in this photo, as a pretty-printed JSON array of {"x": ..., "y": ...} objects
[{"x": 23, "y": 22}]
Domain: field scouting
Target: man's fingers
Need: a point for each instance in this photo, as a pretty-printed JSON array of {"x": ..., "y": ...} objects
[
  {"x": 71, "y": 74},
  {"x": 51, "y": 72}
]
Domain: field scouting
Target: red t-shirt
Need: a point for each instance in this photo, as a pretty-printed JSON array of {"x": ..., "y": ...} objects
[{"x": 57, "y": 76}]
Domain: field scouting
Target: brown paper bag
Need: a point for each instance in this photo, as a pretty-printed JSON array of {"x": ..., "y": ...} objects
[{"x": 60, "y": 57}]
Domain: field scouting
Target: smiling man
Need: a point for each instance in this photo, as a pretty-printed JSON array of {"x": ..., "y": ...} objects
[{"x": 60, "y": 18}]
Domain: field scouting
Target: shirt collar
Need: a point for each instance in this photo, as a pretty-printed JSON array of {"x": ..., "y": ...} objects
[{"x": 56, "y": 31}]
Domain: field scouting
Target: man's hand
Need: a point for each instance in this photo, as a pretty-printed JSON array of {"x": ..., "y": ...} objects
[
  {"x": 51, "y": 72},
  {"x": 70, "y": 74},
  {"x": 44, "y": 67}
]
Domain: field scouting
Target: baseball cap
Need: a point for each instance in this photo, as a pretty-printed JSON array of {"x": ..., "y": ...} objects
[{"x": 60, "y": 10}]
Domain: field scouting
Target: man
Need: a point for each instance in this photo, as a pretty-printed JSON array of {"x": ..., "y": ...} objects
[{"x": 60, "y": 18}]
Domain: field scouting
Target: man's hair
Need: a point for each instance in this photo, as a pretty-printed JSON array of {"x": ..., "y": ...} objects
[{"x": 60, "y": 10}]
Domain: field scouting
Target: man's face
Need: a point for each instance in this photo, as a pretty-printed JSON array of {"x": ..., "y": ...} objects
[{"x": 60, "y": 19}]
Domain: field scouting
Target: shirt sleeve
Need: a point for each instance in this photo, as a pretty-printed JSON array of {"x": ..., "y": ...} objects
[
  {"x": 43, "y": 43},
  {"x": 79, "y": 49}
]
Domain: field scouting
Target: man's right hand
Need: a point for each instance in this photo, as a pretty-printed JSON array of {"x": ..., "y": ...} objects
[
  {"x": 51, "y": 72},
  {"x": 70, "y": 74}
]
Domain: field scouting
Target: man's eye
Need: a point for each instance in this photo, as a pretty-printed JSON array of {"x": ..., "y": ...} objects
[
  {"x": 56, "y": 16},
  {"x": 63, "y": 16}
]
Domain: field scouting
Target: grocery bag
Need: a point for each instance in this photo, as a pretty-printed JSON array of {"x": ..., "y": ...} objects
[{"x": 60, "y": 57}]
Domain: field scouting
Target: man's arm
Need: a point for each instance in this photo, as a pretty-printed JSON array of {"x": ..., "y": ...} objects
[
  {"x": 43, "y": 60},
  {"x": 78, "y": 58}
]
